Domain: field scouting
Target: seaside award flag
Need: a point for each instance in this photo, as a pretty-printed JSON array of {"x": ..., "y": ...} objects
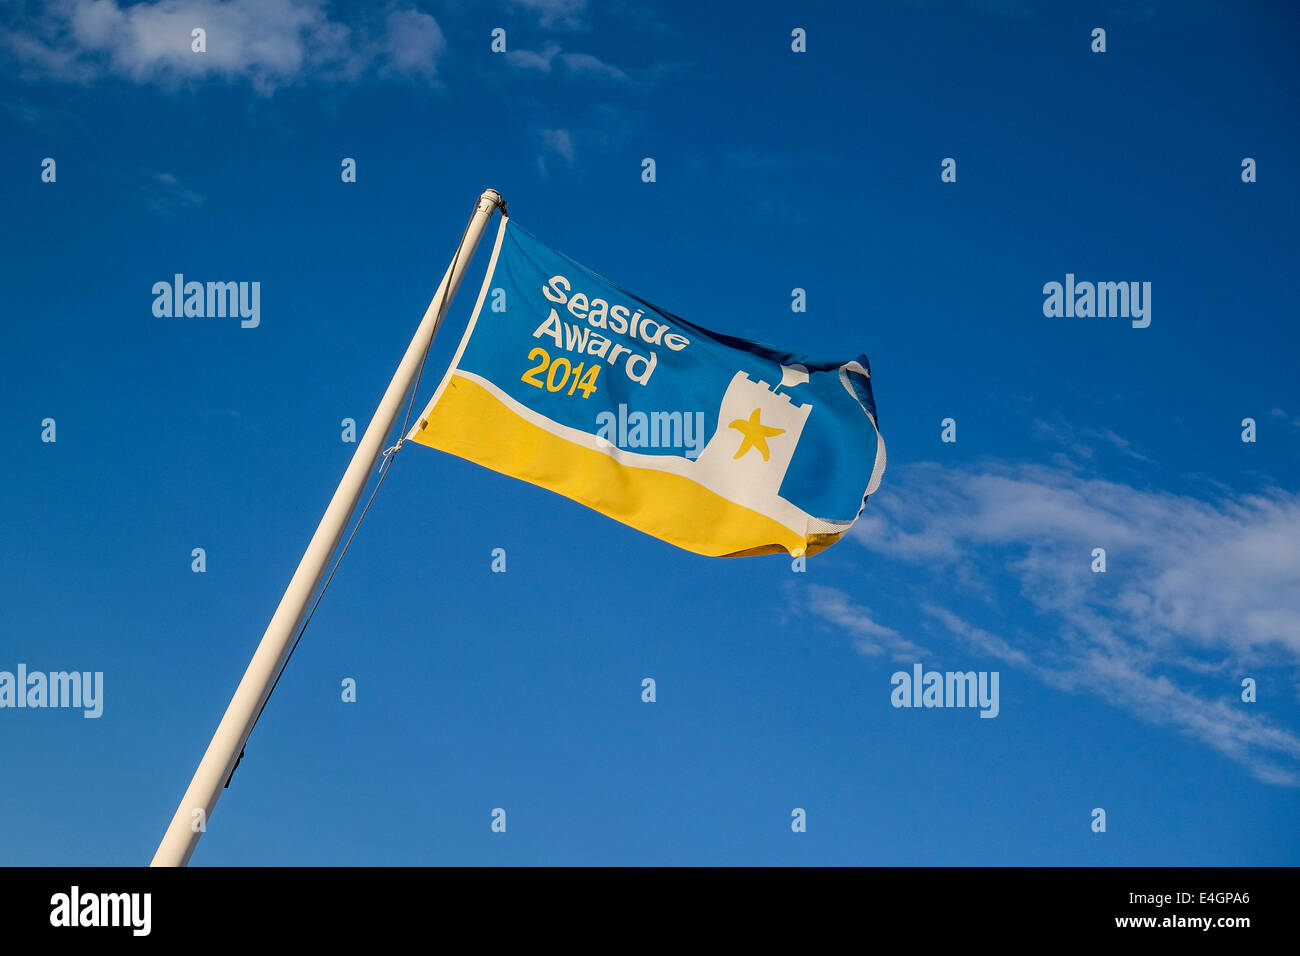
[{"x": 714, "y": 444}]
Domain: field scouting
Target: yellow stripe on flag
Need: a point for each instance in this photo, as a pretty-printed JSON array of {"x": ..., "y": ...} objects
[{"x": 470, "y": 422}]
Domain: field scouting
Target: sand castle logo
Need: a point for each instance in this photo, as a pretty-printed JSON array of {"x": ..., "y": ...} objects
[{"x": 758, "y": 431}]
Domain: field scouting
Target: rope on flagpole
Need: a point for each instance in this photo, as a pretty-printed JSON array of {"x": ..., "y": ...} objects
[{"x": 388, "y": 457}]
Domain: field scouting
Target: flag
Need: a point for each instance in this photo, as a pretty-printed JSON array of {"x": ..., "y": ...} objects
[{"x": 709, "y": 442}]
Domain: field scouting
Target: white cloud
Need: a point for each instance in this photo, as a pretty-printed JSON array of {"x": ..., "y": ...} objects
[
  {"x": 552, "y": 60},
  {"x": 977, "y": 638},
  {"x": 560, "y": 142},
  {"x": 529, "y": 60},
  {"x": 1137, "y": 9},
  {"x": 165, "y": 194},
  {"x": 1196, "y": 594},
  {"x": 1286, "y": 417},
  {"x": 555, "y": 143},
  {"x": 269, "y": 43},
  {"x": 413, "y": 43},
  {"x": 870, "y": 637},
  {"x": 585, "y": 63},
  {"x": 1081, "y": 442},
  {"x": 555, "y": 13}
]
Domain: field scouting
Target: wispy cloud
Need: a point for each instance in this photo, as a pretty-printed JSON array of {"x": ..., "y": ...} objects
[
  {"x": 1137, "y": 9},
  {"x": 1003, "y": 8},
  {"x": 1285, "y": 416},
  {"x": 870, "y": 637},
  {"x": 168, "y": 196},
  {"x": 575, "y": 16},
  {"x": 1082, "y": 443},
  {"x": 569, "y": 14},
  {"x": 556, "y": 143},
  {"x": 1196, "y": 594},
  {"x": 534, "y": 60},
  {"x": 52, "y": 121},
  {"x": 268, "y": 43},
  {"x": 584, "y": 63},
  {"x": 756, "y": 161},
  {"x": 552, "y": 60},
  {"x": 560, "y": 142}
]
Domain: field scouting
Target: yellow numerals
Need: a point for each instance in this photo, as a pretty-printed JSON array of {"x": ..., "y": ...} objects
[{"x": 559, "y": 371}]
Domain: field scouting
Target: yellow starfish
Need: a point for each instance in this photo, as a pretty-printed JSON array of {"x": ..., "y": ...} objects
[{"x": 756, "y": 434}]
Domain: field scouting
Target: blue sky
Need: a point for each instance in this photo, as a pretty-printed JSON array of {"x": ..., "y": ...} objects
[{"x": 775, "y": 170}]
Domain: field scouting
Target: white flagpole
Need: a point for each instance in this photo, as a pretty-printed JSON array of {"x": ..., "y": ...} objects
[{"x": 227, "y": 744}]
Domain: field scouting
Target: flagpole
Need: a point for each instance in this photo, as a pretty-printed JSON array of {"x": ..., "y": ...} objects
[{"x": 227, "y": 744}]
